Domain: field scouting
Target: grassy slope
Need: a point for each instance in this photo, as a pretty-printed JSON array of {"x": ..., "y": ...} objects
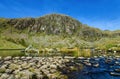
[
  {"x": 7, "y": 44},
  {"x": 107, "y": 43},
  {"x": 22, "y": 40}
]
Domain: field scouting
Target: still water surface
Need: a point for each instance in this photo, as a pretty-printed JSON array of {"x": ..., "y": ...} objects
[{"x": 99, "y": 68}]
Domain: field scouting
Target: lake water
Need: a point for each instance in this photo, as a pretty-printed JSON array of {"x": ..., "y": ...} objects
[{"x": 105, "y": 70}]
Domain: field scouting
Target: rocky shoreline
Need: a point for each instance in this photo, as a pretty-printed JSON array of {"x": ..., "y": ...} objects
[{"x": 36, "y": 67}]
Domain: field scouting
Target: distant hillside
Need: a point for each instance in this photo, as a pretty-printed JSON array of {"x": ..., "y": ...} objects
[{"x": 54, "y": 24}]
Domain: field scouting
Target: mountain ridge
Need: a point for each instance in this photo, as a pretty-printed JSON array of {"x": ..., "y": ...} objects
[{"x": 56, "y": 24}]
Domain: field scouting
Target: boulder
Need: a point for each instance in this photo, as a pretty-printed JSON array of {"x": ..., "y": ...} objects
[
  {"x": 7, "y": 58},
  {"x": 2, "y": 70},
  {"x": 7, "y": 62},
  {"x": 28, "y": 58},
  {"x": 16, "y": 58},
  {"x": 4, "y": 76},
  {"x": 53, "y": 66},
  {"x": 53, "y": 70},
  {"x": 9, "y": 71},
  {"x": 11, "y": 77}
]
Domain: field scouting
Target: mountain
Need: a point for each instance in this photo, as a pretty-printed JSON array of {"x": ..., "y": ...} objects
[
  {"x": 55, "y": 24},
  {"x": 17, "y": 29},
  {"x": 49, "y": 24}
]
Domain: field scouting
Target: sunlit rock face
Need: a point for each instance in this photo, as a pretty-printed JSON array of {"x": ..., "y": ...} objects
[{"x": 50, "y": 24}]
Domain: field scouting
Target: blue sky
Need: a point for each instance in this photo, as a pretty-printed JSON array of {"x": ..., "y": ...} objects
[{"x": 103, "y": 14}]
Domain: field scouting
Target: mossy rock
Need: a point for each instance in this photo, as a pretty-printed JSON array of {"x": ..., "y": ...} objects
[
  {"x": 14, "y": 66},
  {"x": 62, "y": 77},
  {"x": 2, "y": 70},
  {"x": 31, "y": 69}
]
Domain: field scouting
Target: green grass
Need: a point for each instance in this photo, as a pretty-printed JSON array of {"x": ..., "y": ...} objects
[
  {"x": 4, "y": 44},
  {"x": 4, "y": 53},
  {"x": 39, "y": 41}
]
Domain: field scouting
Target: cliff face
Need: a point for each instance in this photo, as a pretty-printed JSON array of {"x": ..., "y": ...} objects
[
  {"x": 56, "y": 24},
  {"x": 49, "y": 24}
]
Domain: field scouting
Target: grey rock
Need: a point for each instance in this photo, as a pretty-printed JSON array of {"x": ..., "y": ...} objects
[
  {"x": 53, "y": 66},
  {"x": 11, "y": 77},
  {"x": 4, "y": 76},
  {"x": 8, "y": 58},
  {"x": 28, "y": 58},
  {"x": 2, "y": 70},
  {"x": 53, "y": 70},
  {"x": 9, "y": 71},
  {"x": 17, "y": 58}
]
